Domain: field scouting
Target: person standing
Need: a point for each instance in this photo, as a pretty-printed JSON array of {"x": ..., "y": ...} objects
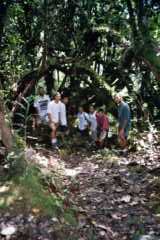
[
  {"x": 54, "y": 112},
  {"x": 93, "y": 123},
  {"x": 102, "y": 127},
  {"x": 63, "y": 114},
  {"x": 63, "y": 117},
  {"x": 83, "y": 121},
  {"x": 124, "y": 120},
  {"x": 41, "y": 105}
]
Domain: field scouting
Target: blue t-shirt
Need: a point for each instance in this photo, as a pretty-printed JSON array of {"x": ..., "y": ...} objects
[{"x": 124, "y": 115}]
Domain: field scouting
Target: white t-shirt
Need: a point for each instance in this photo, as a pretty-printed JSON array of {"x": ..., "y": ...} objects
[
  {"x": 41, "y": 104},
  {"x": 54, "y": 109},
  {"x": 93, "y": 121},
  {"x": 83, "y": 123},
  {"x": 63, "y": 114}
]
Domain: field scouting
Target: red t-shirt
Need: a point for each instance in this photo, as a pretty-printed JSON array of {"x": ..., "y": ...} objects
[{"x": 102, "y": 122}]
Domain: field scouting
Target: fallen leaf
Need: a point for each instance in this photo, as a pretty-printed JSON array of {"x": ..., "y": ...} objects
[
  {"x": 116, "y": 216},
  {"x": 126, "y": 199},
  {"x": 9, "y": 230},
  {"x": 35, "y": 210},
  {"x": 102, "y": 233}
]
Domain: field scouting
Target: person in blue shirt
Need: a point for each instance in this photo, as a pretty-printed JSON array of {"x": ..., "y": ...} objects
[
  {"x": 124, "y": 120},
  {"x": 83, "y": 121}
]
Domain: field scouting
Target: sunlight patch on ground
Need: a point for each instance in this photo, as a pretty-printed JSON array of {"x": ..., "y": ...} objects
[
  {"x": 84, "y": 168},
  {"x": 4, "y": 189},
  {"x": 71, "y": 172},
  {"x": 9, "y": 194},
  {"x": 8, "y": 231}
]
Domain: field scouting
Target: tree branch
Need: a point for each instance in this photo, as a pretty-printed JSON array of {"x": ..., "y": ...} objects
[{"x": 132, "y": 20}]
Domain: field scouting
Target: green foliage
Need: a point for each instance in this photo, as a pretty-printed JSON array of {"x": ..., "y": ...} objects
[
  {"x": 69, "y": 216},
  {"x": 24, "y": 116},
  {"x": 15, "y": 160},
  {"x": 3, "y": 205},
  {"x": 89, "y": 47},
  {"x": 33, "y": 186},
  {"x": 33, "y": 189}
]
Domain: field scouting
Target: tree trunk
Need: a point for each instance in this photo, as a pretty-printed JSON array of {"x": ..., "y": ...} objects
[
  {"x": 144, "y": 45},
  {"x": 6, "y": 135},
  {"x": 3, "y": 14},
  {"x": 49, "y": 82}
]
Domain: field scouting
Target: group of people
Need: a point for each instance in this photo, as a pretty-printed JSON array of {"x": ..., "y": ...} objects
[
  {"x": 53, "y": 112},
  {"x": 96, "y": 122}
]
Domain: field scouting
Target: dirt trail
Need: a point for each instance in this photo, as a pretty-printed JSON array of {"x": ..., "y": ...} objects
[
  {"x": 118, "y": 197},
  {"x": 115, "y": 197}
]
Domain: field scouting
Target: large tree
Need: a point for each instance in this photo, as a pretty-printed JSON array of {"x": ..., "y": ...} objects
[{"x": 89, "y": 47}]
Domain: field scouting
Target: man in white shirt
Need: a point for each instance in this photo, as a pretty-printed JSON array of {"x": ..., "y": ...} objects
[
  {"x": 93, "y": 123},
  {"x": 41, "y": 106},
  {"x": 54, "y": 111},
  {"x": 63, "y": 114}
]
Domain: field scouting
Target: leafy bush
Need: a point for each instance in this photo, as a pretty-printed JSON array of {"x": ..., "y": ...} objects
[
  {"x": 35, "y": 193},
  {"x": 15, "y": 160}
]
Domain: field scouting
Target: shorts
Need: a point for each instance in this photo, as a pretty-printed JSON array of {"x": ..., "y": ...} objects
[
  {"x": 40, "y": 119},
  {"x": 63, "y": 128},
  {"x": 126, "y": 131},
  {"x": 84, "y": 133}
]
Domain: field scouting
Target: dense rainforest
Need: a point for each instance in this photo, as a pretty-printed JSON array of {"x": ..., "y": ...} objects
[{"x": 91, "y": 48}]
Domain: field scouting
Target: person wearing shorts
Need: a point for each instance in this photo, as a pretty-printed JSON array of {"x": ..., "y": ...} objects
[
  {"x": 83, "y": 121},
  {"x": 54, "y": 111},
  {"x": 93, "y": 124},
  {"x": 102, "y": 127},
  {"x": 41, "y": 105},
  {"x": 124, "y": 120},
  {"x": 63, "y": 115}
]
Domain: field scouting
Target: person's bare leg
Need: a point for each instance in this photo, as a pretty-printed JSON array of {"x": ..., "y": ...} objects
[
  {"x": 35, "y": 121},
  {"x": 123, "y": 143},
  {"x": 53, "y": 134},
  {"x": 122, "y": 138}
]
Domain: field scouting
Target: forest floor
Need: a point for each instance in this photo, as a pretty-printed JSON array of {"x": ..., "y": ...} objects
[{"x": 115, "y": 198}]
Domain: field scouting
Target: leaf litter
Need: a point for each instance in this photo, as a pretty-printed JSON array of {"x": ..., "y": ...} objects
[{"x": 114, "y": 197}]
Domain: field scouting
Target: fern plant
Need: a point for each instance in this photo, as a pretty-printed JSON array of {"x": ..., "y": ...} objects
[{"x": 25, "y": 116}]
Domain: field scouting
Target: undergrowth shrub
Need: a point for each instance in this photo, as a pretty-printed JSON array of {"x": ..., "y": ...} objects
[
  {"x": 36, "y": 194},
  {"x": 15, "y": 160},
  {"x": 32, "y": 184}
]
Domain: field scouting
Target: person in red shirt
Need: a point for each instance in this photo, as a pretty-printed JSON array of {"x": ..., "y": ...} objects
[{"x": 102, "y": 127}]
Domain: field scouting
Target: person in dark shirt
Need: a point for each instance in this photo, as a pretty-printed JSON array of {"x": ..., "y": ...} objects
[{"x": 124, "y": 120}]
